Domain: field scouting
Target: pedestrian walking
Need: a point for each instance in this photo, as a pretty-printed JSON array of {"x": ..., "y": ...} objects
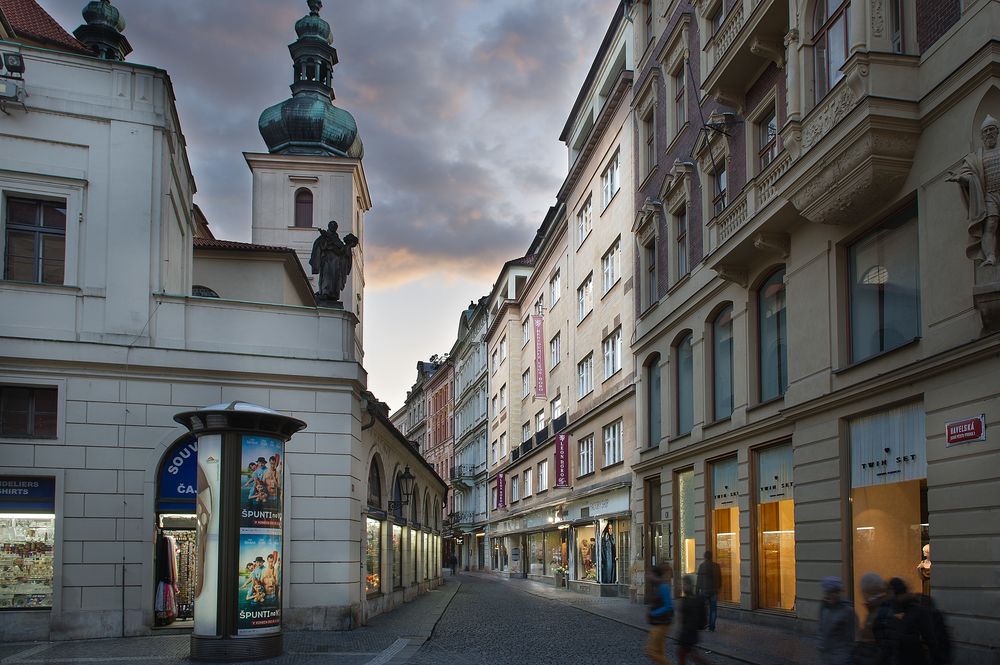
[
  {"x": 660, "y": 615},
  {"x": 873, "y": 594},
  {"x": 692, "y": 608},
  {"x": 453, "y": 563},
  {"x": 909, "y": 629},
  {"x": 837, "y": 624},
  {"x": 709, "y": 583}
]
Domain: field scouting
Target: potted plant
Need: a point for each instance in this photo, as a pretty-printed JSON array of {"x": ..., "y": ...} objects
[{"x": 560, "y": 573}]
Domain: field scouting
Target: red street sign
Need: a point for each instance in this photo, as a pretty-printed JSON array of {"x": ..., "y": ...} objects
[{"x": 966, "y": 431}]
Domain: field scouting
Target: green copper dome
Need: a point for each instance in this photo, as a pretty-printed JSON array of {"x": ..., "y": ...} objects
[
  {"x": 309, "y": 123},
  {"x": 102, "y": 32}
]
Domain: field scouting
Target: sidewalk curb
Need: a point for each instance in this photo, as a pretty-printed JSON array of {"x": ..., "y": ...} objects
[{"x": 402, "y": 656}]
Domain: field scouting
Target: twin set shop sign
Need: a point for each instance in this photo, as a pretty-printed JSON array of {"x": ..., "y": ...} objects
[
  {"x": 724, "y": 483},
  {"x": 562, "y": 460},
  {"x": 966, "y": 430},
  {"x": 540, "y": 374},
  {"x": 888, "y": 446}
]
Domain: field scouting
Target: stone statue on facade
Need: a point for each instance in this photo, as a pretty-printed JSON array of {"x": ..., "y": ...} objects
[
  {"x": 979, "y": 178},
  {"x": 332, "y": 258}
]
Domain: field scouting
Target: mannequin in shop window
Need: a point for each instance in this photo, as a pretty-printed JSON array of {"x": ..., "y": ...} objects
[
  {"x": 609, "y": 557},
  {"x": 924, "y": 570}
]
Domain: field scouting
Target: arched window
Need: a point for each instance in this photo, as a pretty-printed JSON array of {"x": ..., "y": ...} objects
[
  {"x": 772, "y": 352},
  {"x": 374, "y": 485},
  {"x": 303, "y": 208},
  {"x": 684, "y": 375},
  {"x": 653, "y": 415},
  {"x": 722, "y": 364},
  {"x": 831, "y": 19},
  {"x": 413, "y": 506},
  {"x": 397, "y": 496},
  {"x": 203, "y": 291}
]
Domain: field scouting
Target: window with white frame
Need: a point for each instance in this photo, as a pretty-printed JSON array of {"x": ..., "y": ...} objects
[
  {"x": 515, "y": 488},
  {"x": 651, "y": 291},
  {"x": 680, "y": 98},
  {"x": 543, "y": 475},
  {"x": 556, "y": 405},
  {"x": 647, "y": 138},
  {"x": 494, "y": 451},
  {"x": 496, "y": 411},
  {"x": 503, "y": 349},
  {"x": 585, "y": 375},
  {"x": 648, "y": 24},
  {"x": 526, "y": 383},
  {"x": 540, "y": 305},
  {"x": 503, "y": 444},
  {"x": 525, "y": 331},
  {"x": 555, "y": 350},
  {"x": 611, "y": 265},
  {"x": 494, "y": 360},
  {"x": 503, "y": 396},
  {"x": 586, "y": 455},
  {"x": 584, "y": 221},
  {"x": 613, "y": 443},
  {"x": 610, "y": 180},
  {"x": 681, "y": 244},
  {"x": 831, "y": 19},
  {"x": 720, "y": 185},
  {"x": 585, "y": 297},
  {"x": 540, "y": 421},
  {"x": 527, "y": 482},
  {"x": 612, "y": 347},
  {"x": 526, "y": 431},
  {"x": 716, "y": 16},
  {"x": 555, "y": 287}
]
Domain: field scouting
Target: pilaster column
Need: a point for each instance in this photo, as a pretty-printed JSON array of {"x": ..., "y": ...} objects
[
  {"x": 793, "y": 77},
  {"x": 858, "y": 38}
]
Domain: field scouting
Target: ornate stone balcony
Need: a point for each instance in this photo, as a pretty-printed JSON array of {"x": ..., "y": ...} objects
[
  {"x": 751, "y": 34},
  {"x": 463, "y": 475}
]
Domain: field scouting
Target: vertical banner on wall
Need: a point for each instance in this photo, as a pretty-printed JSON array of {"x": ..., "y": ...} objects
[
  {"x": 259, "y": 584},
  {"x": 540, "y": 374},
  {"x": 209, "y": 497},
  {"x": 501, "y": 490},
  {"x": 562, "y": 460}
]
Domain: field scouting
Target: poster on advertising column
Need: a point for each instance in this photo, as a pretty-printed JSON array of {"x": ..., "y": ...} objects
[
  {"x": 562, "y": 460},
  {"x": 540, "y": 374},
  {"x": 259, "y": 570}
]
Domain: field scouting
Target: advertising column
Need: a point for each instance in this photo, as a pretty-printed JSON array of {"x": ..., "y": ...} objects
[{"x": 239, "y": 535}]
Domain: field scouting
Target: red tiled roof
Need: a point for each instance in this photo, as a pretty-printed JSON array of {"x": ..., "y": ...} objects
[
  {"x": 29, "y": 21},
  {"x": 215, "y": 243}
]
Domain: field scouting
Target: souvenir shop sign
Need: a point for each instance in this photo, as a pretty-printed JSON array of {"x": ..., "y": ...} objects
[
  {"x": 259, "y": 590},
  {"x": 966, "y": 430},
  {"x": 562, "y": 460},
  {"x": 27, "y": 494},
  {"x": 177, "y": 485},
  {"x": 537, "y": 324}
]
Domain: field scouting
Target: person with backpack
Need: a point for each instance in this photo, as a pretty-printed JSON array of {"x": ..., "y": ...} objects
[
  {"x": 836, "y": 624},
  {"x": 910, "y": 630},
  {"x": 660, "y": 615},
  {"x": 709, "y": 583},
  {"x": 693, "y": 617}
]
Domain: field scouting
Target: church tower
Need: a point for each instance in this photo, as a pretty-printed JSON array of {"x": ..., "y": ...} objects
[{"x": 312, "y": 172}]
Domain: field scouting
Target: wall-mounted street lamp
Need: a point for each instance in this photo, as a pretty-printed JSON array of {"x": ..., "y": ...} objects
[{"x": 405, "y": 490}]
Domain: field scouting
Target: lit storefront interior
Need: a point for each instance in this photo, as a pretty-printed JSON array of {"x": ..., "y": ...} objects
[
  {"x": 176, "y": 554},
  {"x": 27, "y": 540},
  {"x": 889, "y": 498},
  {"x": 687, "y": 561},
  {"x": 726, "y": 527},
  {"x": 775, "y": 529}
]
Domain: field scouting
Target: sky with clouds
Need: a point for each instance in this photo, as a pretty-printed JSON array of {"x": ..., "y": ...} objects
[{"x": 460, "y": 104}]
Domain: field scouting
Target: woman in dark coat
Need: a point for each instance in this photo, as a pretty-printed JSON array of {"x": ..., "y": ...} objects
[{"x": 692, "y": 609}]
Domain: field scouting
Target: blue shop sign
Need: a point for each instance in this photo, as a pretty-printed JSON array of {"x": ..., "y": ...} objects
[
  {"x": 177, "y": 483},
  {"x": 27, "y": 494}
]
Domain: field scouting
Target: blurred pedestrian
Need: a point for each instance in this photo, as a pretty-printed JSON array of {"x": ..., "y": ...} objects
[
  {"x": 836, "y": 624},
  {"x": 453, "y": 563},
  {"x": 692, "y": 608},
  {"x": 873, "y": 595},
  {"x": 660, "y": 615},
  {"x": 909, "y": 629},
  {"x": 709, "y": 583}
]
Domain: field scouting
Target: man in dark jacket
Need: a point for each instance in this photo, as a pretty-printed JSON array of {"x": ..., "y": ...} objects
[
  {"x": 905, "y": 629},
  {"x": 709, "y": 583},
  {"x": 692, "y": 608}
]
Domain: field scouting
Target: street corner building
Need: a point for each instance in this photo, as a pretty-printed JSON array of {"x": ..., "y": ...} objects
[{"x": 119, "y": 309}]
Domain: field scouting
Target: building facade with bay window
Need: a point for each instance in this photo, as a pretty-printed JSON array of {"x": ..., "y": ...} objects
[
  {"x": 121, "y": 309},
  {"x": 816, "y": 337}
]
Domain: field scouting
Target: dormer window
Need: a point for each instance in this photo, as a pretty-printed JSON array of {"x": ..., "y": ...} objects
[{"x": 303, "y": 208}]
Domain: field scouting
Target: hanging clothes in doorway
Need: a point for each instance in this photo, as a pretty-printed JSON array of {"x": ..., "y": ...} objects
[{"x": 165, "y": 606}]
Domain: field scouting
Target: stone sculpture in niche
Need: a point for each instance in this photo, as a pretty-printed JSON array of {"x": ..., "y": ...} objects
[
  {"x": 332, "y": 258},
  {"x": 979, "y": 178}
]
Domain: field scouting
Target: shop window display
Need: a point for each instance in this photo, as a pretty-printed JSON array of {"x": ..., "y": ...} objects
[
  {"x": 536, "y": 554},
  {"x": 586, "y": 553},
  {"x": 726, "y": 527},
  {"x": 775, "y": 529},
  {"x": 499, "y": 555},
  {"x": 687, "y": 563},
  {"x": 555, "y": 552},
  {"x": 623, "y": 549},
  {"x": 373, "y": 556},
  {"x": 889, "y": 498},
  {"x": 397, "y": 556},
  {"x": 26, "y": 542}
]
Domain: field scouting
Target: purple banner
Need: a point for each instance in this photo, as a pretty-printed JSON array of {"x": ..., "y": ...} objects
[
  {"x": 540, "y": 375},
  {"x": 501, "y": 490},
  {"x": 562, "y": 460}
]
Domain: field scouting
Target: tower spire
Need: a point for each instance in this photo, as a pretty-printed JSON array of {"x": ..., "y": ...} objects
[{"x": 102, "y": 31}]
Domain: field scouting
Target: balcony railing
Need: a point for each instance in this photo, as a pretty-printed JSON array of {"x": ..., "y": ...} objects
[
  {"x": 559, "y": 423},
  {"x": 460, "y": 518},
  {"x": 463, "y": 474},
  {"x": 749, "y": 202},
  {"x": 541, "y": 435},
  {"x": 515, "y": 454},
  {"x": 527, "y": 446}
]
